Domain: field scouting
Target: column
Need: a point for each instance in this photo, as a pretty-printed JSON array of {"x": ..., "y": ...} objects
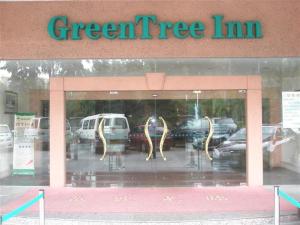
[
  {"x": 57, "y": 133},
  {"x": 254, "y": 155}
]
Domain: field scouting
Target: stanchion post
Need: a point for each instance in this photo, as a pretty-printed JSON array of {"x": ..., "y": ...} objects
[
  {"x": 0, "y": 219},
  {"x": 42, "y": 207},
  {"x": 276, "y": 206}
]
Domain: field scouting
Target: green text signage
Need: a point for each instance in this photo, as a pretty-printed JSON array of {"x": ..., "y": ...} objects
[{"x": 60, "y": 28}]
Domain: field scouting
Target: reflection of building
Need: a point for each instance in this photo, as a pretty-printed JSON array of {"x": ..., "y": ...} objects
[
  {"x": 39, "y": 102},
  {"x": 238, "y": 79}
]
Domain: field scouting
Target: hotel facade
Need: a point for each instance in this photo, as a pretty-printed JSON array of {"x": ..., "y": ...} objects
[{"x": 149, "y": 93}]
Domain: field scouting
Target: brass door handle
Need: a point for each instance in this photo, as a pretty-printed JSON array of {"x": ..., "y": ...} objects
[
  {"x": 146, "y": 131},
  {"x": 101, "y": 135},
  {"x": 210, "y": 133},
  {"x": 163, "y": 138}
]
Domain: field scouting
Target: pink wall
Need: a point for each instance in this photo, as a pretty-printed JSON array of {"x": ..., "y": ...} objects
[{"x": 23, "y": 29}]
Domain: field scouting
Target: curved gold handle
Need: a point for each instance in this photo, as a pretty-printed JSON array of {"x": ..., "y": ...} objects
[
  {"x": 146, "y": 131},
  {"x": 163, "y": 138},
  {"x": 101, "y": 135},
  {"x": 210, "y": 133}
]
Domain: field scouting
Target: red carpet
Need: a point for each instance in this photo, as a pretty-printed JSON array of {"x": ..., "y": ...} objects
[{"x": 154, "y": 200}]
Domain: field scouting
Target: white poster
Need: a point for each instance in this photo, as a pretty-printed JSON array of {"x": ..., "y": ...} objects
[
  {"x": 23, "y": 153},
  {"x": 291, "y": 110}
]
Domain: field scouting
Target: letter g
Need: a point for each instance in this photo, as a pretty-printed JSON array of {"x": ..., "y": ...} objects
[{"x": 63, "y": 31}]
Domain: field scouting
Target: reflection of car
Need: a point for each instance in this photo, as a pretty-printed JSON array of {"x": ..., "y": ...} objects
[
  {"x": 296, "y": 130},
  {"x": 189, "y": 131},
  {"x": 139, "y": 141},
  {"x": 274, "y": 138},
  {"x": 115, "y": 129},
  {"x": 223, "y": 128},
  {"x": 196, "y": 131},
  {"x": 39, "y": 129},
  {"x": 75, "y": 123},
  {"x": 6, "y": 138},
  {"x": 226, "y": 123}
]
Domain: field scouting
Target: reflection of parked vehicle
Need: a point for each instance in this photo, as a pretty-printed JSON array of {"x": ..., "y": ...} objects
[
  {"x": 6, "y": 138},
  {"x": 139, "y": 141},
  {"x": 189, "y": 131},
  {"x": 274, "y": 138},
  {"x": 223, "y": 128},
  {"x": 75, "y": 123},
  {"x": 40, "y": 131},
  {"x": 116, "y": 129},
  {"x": 228, "y": 124},
  {"x": 196, "y": 131}
]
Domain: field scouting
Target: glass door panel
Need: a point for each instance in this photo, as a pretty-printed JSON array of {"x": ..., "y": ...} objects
[{"x": 162, "y": 138}]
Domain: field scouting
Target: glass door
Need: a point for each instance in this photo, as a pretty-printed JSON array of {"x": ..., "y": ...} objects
[{"x": 161, "y": 138}]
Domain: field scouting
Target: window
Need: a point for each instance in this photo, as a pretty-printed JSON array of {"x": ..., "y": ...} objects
[
  {"x": 92, "y": 124},
  {"x": 120, "y": 123},
  {"x": 44, "y": 123},
  {"x": 106, "y": 122},
  {"x": 85, "y": 124}
]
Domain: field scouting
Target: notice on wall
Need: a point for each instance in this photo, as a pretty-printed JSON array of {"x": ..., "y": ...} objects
[
  {"x": 291, "y": 110},
  {"x": 23, "y": 152}
]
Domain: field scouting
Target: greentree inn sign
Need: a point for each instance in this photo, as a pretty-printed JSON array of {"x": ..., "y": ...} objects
[{"x": 61, "y": 28}]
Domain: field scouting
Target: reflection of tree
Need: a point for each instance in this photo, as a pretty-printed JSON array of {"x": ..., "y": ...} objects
[
  {"x": 34, "y": 74},
  {"x": 64, "y": 68},
  {"x": 122, "y": 67},
  {"x": 24, "y": 75},
  {"x": 27, "y": 77},
  {"x": 231, "y": 108},
  {"x": 80, "y": 108}
]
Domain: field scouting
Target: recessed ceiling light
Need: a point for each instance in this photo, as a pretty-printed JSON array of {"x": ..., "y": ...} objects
[{"x": 197, "y": 92}]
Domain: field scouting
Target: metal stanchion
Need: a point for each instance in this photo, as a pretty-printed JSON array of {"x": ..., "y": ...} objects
[
  {"x": 276, "y": 206},
  {"x": 1, "y": 220},
  {"x": 42, "y": 207}
]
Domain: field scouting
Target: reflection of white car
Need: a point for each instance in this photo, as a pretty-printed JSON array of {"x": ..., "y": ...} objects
[
  {"x": 39, "y": 129},
  {"x": 116, "y": 127},
  {"x": 115, "y": 131},
  {"x": 6, "y": 137}
]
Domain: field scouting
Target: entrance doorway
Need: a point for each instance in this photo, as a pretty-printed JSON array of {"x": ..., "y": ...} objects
[
  {"x": 152, "y": 131},
  {"x": 156, "y": 138}
]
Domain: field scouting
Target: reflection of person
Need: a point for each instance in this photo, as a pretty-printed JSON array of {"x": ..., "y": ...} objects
[
  {"x": 116, "y": 148},
  {"x": 153, "y": 133},
  {"x": 191, "y": 162},
  {"x": 120, "y": 157}
]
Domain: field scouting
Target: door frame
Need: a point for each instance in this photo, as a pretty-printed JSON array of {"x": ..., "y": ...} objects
[{"x": 156, "y": 82}]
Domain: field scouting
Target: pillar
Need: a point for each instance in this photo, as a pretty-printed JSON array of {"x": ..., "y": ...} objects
[
  {"x": 254, "y": 154},
  {"x": 57, "y": 133}
]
